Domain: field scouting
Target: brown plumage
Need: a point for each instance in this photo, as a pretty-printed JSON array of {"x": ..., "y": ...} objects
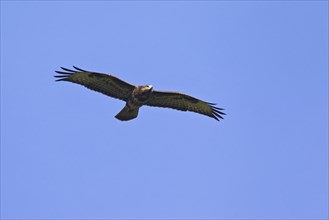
[{"x": 137, "y": 96}]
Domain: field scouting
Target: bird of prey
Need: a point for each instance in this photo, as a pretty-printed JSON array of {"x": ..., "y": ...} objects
[{"x": 137, "y": 96}]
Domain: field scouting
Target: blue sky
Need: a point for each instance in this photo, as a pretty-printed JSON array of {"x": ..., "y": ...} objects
[{"x": 64, "y": 155}]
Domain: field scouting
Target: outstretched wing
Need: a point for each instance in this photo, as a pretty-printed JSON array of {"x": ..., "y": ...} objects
[
  {"x": 104, "y": 83},
  {"x": 184, "y": 102}
]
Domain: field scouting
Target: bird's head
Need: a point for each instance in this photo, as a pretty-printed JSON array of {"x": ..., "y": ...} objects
[{"x": 147, "y": 88}]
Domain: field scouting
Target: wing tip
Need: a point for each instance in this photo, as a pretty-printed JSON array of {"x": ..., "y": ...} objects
[
  {"x": 216, "y": 112},
  {"x": 67, "y": 73}
]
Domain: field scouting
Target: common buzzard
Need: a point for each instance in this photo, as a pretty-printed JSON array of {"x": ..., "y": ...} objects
[{"x": 137, "y": 96}]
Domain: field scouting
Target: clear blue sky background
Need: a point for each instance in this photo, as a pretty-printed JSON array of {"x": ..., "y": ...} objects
[{"x": 64, "y": 155}]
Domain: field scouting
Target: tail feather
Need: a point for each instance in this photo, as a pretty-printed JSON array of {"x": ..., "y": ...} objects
[{"x": 127, "y": 114}]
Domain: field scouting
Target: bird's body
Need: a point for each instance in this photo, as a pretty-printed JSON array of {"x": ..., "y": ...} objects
[{"x": 137, "y": 96}]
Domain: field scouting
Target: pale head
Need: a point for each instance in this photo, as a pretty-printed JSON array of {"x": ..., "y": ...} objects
[{"x": 147, "y": 88}]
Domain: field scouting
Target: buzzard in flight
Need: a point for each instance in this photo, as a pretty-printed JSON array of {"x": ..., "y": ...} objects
[{"x": 137, "y": 96}]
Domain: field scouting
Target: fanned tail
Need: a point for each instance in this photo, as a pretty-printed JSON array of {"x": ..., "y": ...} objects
[{"x": 127, "y": 114}]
